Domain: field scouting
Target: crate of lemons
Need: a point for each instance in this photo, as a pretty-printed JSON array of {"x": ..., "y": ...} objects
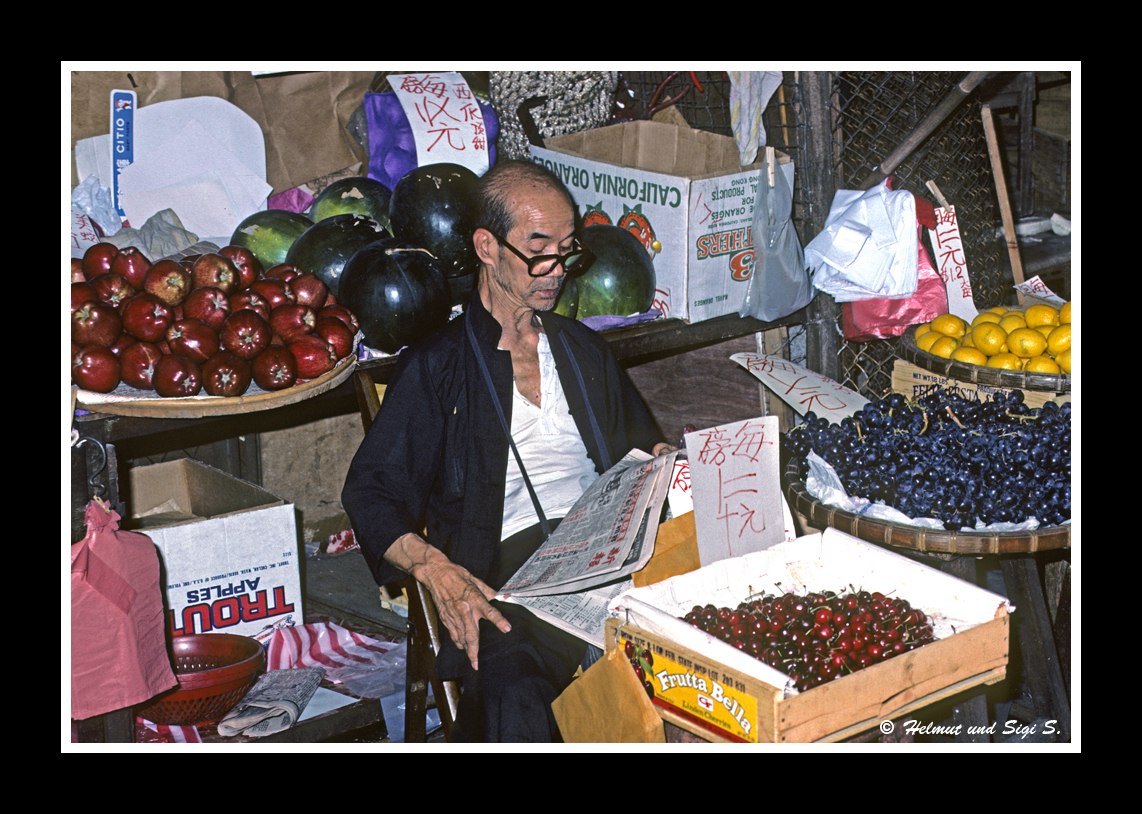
[{"x": 1035, "y": 340}]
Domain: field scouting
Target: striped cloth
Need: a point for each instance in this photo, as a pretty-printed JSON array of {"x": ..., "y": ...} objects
[{"x": 325, "y": 645}]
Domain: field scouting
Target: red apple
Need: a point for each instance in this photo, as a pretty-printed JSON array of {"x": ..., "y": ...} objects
[
  {"x": 124, "y": 341},
  {"x": 252, "y": 300},
  {"x": 274, "y": 290},
  {"x": 95, "y": 368},
  {"x": 275, "y": 368},
  {"x": 77, "y": 270},
  {"x": 292, "y": 320},
  {"x": 342, "y": 313},
  {"x": 81, "y": 292},
  {"x": 138, "y": 362},
  {"x": 226, "y": 375},
  {"x": 283, "y": 271},
  {"x": 208, "y": 304},
  {"x": 132, "y": 265},
  {"x": 95, "y": 323},
  {"x": 193, "y": 339},
  {"x": 168, "y": 281},
  {"x": 97, "y": 259},
  {"x": 214, "y": 270},
  {"x": 315, "y": 357},
  {"x": 336, "y": 333},
  {"x": 146, "y": 317},
  {"x": 247, "y": 263},
  {"x": 114, "y": 289},
  {"x": 311, "y": 290},
  {"x": 177, "y": 376},
  {"x": 245, "y": 334}
]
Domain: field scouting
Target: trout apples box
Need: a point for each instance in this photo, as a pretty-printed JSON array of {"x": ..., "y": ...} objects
[
  {"x": 682, "y": 192},
  {"x": 708, "y": 687},
  {"x": 229, "y": 549}
]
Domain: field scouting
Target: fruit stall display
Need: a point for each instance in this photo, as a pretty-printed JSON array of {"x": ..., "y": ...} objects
[{"x": 817, "y": 638}]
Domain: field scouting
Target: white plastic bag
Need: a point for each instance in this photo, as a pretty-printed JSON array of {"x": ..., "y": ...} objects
[{"x": 868, "y": 248}]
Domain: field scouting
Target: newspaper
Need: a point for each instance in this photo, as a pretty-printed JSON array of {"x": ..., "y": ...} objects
[
  {"x": 608, "y": 535},
  {"x": 274, "y": 704}
]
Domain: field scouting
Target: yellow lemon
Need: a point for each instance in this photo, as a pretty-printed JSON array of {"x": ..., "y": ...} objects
[
  {"x": 1041, "y": 315},
  {"x": 1059, "y": 339},
  {"x": 1005, "y": 361},
  {"x": 973, "y": 356},
  {"x": 1065, "y": 313},
  {"x": 944, "y": 346},
  {"x": 986, "y": 316},
  {"x": 1012, "y": 321},
  {"x": 966, "y": 341},
  {"x": 926, "y": 341},
  {"x": 1063, "y": 360},
  {"x": 1042, "y": 364},
  {"x": 1026, "y": 342},
  {"x": 922, "y": 328},
  {"x": 950, "y": 325},
  {"x": 988, "y": 338},
  {"x": 999, "y": 309}
]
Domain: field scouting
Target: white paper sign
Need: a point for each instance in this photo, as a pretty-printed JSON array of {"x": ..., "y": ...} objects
[
  {"x": 446, "y": 120},
  {"x": 1035, "y": 287},
  {"x": 801, "y": 388},
  {"x": 736, "y": 488},
  {"x": 951, "y": 264}
]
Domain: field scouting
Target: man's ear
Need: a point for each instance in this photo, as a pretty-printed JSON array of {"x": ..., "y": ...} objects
[{"x": 487, "y": 247}]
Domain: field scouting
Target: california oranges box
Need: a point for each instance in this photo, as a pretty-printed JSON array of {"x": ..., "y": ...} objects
[
  {"x": 683, "y": 192},
  {"x": 710, "y": 688},
  {"x": 229, "y": 549}
]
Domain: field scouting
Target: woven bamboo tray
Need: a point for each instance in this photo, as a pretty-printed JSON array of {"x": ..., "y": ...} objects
[
  {"x": 143, "y": 404},
  {"x": 977, "y": 374},
  {"x": 917, "y": 538}
]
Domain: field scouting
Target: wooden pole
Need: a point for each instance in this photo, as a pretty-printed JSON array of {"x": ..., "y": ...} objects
[{"x": 1004, "y": 201}]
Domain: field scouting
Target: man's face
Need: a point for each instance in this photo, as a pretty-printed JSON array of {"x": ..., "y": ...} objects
[{"x": 544, "y": 224}]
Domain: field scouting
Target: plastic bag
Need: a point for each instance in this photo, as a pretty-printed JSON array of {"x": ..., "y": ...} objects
[
  {"x": 883, "y": 318},
  {"x": 780, "y": 282},
  {"x": 868, "y": 248},
  {"x": 119, "y": 655}
]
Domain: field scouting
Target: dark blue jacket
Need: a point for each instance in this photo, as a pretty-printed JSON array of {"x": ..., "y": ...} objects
[{"x": 435, "y": 457}]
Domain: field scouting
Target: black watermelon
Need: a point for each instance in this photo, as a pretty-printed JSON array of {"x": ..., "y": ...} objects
[
  {"x": 430, "y": 208},
  {"x": 621, "y": 281},
  {"x": 326, "y": 246}
]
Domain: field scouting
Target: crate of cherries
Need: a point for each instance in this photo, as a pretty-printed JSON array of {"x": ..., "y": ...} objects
[{"x": 817, "y": 636}]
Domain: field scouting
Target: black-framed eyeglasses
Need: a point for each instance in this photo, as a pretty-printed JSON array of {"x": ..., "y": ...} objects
[{"x": 575, "y": 261}]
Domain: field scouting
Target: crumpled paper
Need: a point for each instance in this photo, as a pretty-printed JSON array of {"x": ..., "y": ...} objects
[
  {"x": 868, "y": 247},
  {"x": 163, "y": 235}
]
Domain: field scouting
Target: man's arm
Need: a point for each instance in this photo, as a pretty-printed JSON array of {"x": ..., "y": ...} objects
[{"x": 461, "y": 599}]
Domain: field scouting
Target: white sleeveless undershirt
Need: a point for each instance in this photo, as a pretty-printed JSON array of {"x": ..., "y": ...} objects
[{"x": 552, "y": 450}]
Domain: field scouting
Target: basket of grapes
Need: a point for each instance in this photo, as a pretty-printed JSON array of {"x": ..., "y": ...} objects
[{"x": 943, "y": 473}]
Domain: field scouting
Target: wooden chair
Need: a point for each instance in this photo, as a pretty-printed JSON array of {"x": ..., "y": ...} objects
[{"x": 423, "y": 623}]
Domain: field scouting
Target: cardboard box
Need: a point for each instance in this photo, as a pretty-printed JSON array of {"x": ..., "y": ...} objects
[
  {"x": 710, "y": 688},
  {"x": 683, "y": 192},
  {"x": 229, "y": 549}
]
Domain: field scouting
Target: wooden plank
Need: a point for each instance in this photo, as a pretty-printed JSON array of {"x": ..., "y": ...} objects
[{"x": 1001, "y": 191}]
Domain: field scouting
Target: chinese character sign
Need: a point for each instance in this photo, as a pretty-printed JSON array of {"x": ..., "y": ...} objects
[
  {"x": 736, "y": 488},
  {"x": 446, "y": 120},
  {"x": 802, "y": 389},
  {"x": 951, "y": 265}
]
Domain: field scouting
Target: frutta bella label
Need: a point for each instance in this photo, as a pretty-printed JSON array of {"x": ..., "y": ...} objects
[{"x": 700, "y": 692}]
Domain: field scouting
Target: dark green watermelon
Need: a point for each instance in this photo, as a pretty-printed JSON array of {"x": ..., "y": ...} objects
[
  {"x": 325, "y": 247},
  {"x": 397, "y": 292},
  {"x": 270, "y": 233},
  {"x": 359, "y": 195},
  {"x": 621, "y": 281},
  {"x": 568, "y": 302},
  {"x": 430, "y": 208}
]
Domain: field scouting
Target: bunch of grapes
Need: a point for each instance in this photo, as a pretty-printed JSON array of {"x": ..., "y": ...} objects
[
  {"x": 950, "y": 457},
  {"x": 820, "y": 636}
]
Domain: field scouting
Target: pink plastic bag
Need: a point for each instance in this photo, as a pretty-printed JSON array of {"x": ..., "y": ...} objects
[
  {"x": 883, "y": 318},
  {"x": 118, "y": 645}
]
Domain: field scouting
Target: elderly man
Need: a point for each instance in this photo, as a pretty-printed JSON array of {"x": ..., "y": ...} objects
[{"x": 440, "y": 455}]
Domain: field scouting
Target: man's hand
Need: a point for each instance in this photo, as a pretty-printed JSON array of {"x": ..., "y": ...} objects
[
  {"x": 661, "y": 448},
  {"x": 461, "y": 599}
]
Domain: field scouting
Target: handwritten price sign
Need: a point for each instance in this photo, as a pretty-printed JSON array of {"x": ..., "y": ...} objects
[
  {"x": 801, "y": 388},
  {"x": 736, "y": 488},
  {"x": 951, "y": 264},
  {"x": 447, "y": 123}
]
